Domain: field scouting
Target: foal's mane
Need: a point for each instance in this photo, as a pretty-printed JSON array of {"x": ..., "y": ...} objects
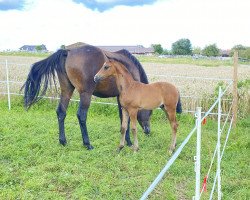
[{"x": 134, "y": 60}]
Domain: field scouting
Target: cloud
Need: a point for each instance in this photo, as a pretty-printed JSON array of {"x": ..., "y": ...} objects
[
  {"x": 63, "y": 22},
  {"x": 11, "y": 4},
  {"x": 103, "y": 5}
]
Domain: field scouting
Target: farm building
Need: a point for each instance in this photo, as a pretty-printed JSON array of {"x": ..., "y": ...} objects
[
  {"x": 33, "y": 48},
  {"x": 137, "y": 49}
]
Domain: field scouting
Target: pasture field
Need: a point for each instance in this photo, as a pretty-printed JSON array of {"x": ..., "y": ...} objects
[{"x": 34, "y": 166}]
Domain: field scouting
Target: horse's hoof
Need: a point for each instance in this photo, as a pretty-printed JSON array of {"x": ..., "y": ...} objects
[
  {"x": 129, "y": 144},
  {"x": 89, "y": 147},
  {"x": 63, "y": 142}
]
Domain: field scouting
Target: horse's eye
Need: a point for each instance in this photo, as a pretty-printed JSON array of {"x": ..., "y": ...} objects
[{"x": 106, "y": 67}]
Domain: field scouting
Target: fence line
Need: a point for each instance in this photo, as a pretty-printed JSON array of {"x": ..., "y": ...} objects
[
  {"x": 211, "y": 163},
  {"x": 167, "y": 166},
  {"x": 197, "y": 127},
  {"x": 191, "y": 77},
  {"x": 8, "y": 82}
]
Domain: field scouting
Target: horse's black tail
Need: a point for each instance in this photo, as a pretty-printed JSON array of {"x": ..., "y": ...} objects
[
  {"x": 40, "y": 76},
  {"x": 179, "y": 107}
]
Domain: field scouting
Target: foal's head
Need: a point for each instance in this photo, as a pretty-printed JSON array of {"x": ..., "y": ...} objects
[{"x": 108, "y": 69}]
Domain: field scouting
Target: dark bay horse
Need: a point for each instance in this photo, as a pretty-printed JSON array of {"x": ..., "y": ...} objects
[
  {"x": 135, "y": 96},
  {"x": 75, "y": 69}
]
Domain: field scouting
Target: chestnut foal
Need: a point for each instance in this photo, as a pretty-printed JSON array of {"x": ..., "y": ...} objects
[{"x": 134, "y": 96}]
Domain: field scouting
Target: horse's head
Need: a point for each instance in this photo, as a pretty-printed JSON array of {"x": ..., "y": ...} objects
[
  {"x": 108, "y": 69},
  {"x": 143, "y": 118}
]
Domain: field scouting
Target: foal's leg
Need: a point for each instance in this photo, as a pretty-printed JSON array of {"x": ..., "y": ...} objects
[
  {"x": 124, "y": 126},
  {"x": 133, "y": 118},
  {"x": 85, "y": 99},
  {"x": 127, "y": 136},
  {"x": 171, "y": 114}
]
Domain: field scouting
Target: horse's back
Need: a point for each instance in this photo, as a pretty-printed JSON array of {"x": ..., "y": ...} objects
[{"x": 165, "y": 91}]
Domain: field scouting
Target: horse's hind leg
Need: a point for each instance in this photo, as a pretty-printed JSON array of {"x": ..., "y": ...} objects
[
  {"x": 127, "y": 136},
  {"x": 85, "y": 99},
  {"x": 124, "y": 126},
  {"x": 66, "y": 92},
  {"x": 171, "y": 115}
]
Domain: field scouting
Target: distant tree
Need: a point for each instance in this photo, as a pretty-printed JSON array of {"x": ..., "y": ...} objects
[
  {"x": 157, "y": 48},
  {"x": 211, "y": 50},
  {"x": 63, "y": 46},
  {"x": 239, "y": 47},
  {"x": 245, "y": 53},
  {"x": 166, "y": 52},
  {"x": 182, "y": 47},
  {"x": 197, "y": 50},
  {"x": 39, "y": 48}
]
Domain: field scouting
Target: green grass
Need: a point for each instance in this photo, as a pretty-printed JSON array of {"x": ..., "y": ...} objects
[
  {"x": 34, "y": 166},
  {"x": 187, "y": 60},
  {"x": 26, "y": 54}
]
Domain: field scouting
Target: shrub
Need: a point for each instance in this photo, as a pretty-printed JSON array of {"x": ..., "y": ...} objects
[
  {"x": 157, "y": 48},
  {"x": 211, "y": 50},
  {"x": 182, "y": 47}
]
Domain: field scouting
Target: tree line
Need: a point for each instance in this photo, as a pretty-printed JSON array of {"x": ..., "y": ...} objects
[{"x": 184, "y": 47}]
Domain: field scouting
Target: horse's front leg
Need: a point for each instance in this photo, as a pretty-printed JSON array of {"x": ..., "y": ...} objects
[
  {"x": 124, "y": 126},
  {"x": 133, "y": 117},
  {"x": 127, "y": 136},
  {"x": 85, "y": 99}
]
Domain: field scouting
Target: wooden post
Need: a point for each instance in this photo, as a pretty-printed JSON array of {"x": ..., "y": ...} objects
[{"x": 235, "y": 91}]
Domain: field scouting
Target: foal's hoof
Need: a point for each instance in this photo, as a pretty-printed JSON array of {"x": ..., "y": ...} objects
[
  {"x": 89, "y": 147},
  {"x": 119, "y": 149},
  {"x": 135, "y": 149},
  {"x": 63, "y": 142},
  {"x": 170, "y": 152}
]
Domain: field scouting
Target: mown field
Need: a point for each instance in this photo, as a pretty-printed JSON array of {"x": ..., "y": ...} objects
[{"x": 34, "y": 166}]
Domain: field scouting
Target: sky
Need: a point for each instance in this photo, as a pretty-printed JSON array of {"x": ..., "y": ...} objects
[{"x": 123, "y": 22}]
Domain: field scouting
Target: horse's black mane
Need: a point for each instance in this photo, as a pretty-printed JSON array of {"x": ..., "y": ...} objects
[{"x": 143, "y": 76}]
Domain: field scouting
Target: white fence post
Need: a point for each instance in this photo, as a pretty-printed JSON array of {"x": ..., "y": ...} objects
[
  {"x": 218, "y": 143},
  {"x": 198, "y": 154},
  {"x": 7, "y": 83}
]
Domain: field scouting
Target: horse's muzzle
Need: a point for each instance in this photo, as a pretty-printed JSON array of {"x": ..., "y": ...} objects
[
  {"x": 146, "y": 129},
  {"x": 97, "y": 78}
]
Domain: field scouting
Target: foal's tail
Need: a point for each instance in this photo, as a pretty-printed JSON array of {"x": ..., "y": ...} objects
[
  {"x": 178, "y": 106},
  {"x": 40, "y": 76}
]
